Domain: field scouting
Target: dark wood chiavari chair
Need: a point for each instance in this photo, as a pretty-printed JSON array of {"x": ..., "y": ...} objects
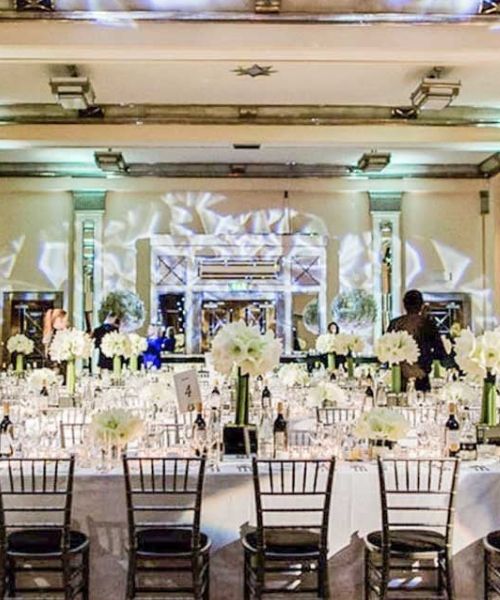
[
  {"x": 287, "y": 490},
  {"x": 159, "y": 492},
  {"x": 31, "y": 492},
  {"x": 71, "y": 434},
  {"x": 417, "y": 499}
]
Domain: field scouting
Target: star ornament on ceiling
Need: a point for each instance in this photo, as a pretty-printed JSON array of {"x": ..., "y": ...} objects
[{"x": 255, "y": 71}]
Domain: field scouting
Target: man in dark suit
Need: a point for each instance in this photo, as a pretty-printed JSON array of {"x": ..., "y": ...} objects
[
  {"x": 426, "y": 334},
  {"x": 111, "y": 323}
]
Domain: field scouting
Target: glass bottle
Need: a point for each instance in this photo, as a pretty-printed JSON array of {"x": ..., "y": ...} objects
[
  {"x": 280, "y": 433},
  {"x": 468, "y": 438},
  {"x": 452, "y": 432}
]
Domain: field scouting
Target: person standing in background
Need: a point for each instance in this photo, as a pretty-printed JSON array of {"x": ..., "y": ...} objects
[
  {"x": 423, "y": 328},
  {"x": 111, "y": 323},
  {"x": 55, "y": 319}
]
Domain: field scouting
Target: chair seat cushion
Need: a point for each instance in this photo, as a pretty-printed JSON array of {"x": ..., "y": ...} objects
[
  {"x": 407, "y": 541},
  {"x": 286, "y": 541},
  {"x": 493, "y": 539},
  {"x": 43, "y": 541},
  {"x": 164, "y": 540}
]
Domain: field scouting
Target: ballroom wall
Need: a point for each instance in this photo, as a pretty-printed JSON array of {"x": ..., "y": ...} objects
[{"x": 446, "y": 244}]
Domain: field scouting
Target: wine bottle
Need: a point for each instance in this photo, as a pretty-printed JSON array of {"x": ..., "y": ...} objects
[
  {"x": 280, "y": 433},
  {"x": 452, "y": 432},
  {"x": 215, "y": 401},
  {"x": 266, "y": 429},
  {"x": 199, "y": 431},
  {"x": 468, "y": 438},
  {"x": 6, "y": 433},
  {"x": 266, "y": 395}
]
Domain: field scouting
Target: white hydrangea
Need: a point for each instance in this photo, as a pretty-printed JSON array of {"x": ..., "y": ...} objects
[
  {"x": 20, "y": 344},
  {"x": 397, "y": 347},
  {"x": 237, "y": 344},
  {"x": 293, "y": 374},
  {"x": 116, "y": 344},
  {"x": 70, "y": 344}
]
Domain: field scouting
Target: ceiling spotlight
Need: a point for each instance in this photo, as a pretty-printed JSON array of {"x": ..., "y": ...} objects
[
  {"x": 434, "y": 93},
  {"x": 110, "y": 162},
  {"x": 267, "y": 6},
  {"x": 374, "y": 162},
  {"x": 45, "y": 5},
  {"x": 73, "y": 93}
]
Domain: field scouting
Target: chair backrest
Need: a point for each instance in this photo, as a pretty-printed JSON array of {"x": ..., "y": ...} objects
[
  {"x": 161, "y": 492},
  {"x": 418, "y": 415},
  {"x": 71, "y": 434},
  {"x": 301, "y": 438},
  {"x": 418, "y": 494},
  {"x": 332, "y": 416},
  {"x": 36, "y": 493},
  {"x": 166, "y": 434},
  {"x": 293, "y": 494}
]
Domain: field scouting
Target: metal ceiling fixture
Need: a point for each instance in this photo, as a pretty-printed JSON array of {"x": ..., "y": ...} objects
[
  {"x": 434, "y": 93},
  {"x": 255, "y": 71},
  {"x": 110, "y": 162},
  {"x": 489, "y": 7},
  {"x": 73, "y": 93},
  {"x": 42, "y": 5},
  {"x": 267, "y": 6},
  {"x": 374, "y": 162}
]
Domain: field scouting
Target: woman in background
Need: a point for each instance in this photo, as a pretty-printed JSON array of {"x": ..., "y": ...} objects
[
  {"x": 55, "y": 319},
  {"x": 169, "y": 340},
  {"x": 152, "y": 357}
]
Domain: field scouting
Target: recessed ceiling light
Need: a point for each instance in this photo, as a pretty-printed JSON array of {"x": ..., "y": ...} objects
[
  {"x": 110, "y": 162},
  {"x": 489, "y": 7},
  {"x": 255, "y": 71},
  {"x": 44, "y": 5},
  {"x": 73, "y": 93},
  {"x": 374, "y": 162},
  {"x": 267, "y": 6},
  {"x": 434, "y": 93},
  {"x": 246, "y": 146}
]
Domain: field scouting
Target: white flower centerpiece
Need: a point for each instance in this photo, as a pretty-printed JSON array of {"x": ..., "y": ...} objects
[
  {"x": 479, "y": 357},
  {"x": 20, "y": 345},
  {"x": 114, "y": 429},
  {"x": 246, "y": 349},
  {"x": 40, "y": 380},
  {"x": 382, "y": 427},
  {"x": 325, "y": 344},
  {"x": 348, "y": 344},
  {"x": 69, "y": 345},
  {"x": 137, "y": 345},
  {"x": 395, "y": 348},
  {"x": 326, "y": 394},
  {"x": 292, "y": 375},
  {"x": 117, "y": 346}
]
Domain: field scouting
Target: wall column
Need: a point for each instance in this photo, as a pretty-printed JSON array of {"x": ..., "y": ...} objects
[{"x": 89, "y": 207}]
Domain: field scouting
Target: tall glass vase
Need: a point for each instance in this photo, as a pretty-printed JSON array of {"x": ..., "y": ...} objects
[
  {"x": 134, "y": 363},
  {"x": 19, "y": 363},
  {"x": 396, "y": 379},
  {"x": 242, "y": 398},
  {"x": 117, "y": 367},
  {"x": 70, "y": 377},
  {"x": 350, "y": 366},
  {"x": 332, "y": 361},
  {"x": 489, "y": 401}
]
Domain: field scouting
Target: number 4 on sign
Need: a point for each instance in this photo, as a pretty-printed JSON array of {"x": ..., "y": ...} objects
[{"x": 187, "y": 390}]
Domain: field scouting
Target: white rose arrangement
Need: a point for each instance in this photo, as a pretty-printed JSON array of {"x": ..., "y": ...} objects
[
  {"x": 381, "y": 424},
  {"x": 20, "y": 344},
  {"x": 292, "y": 374},
  {"x": 70, "y": 344},
  {"x": 245, "y": 347}
]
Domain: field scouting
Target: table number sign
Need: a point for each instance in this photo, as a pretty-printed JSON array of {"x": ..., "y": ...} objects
[{"x": 187, "y": 390}]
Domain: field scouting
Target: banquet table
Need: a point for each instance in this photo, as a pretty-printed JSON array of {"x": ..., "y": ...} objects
[{"x": 228, "y": 506}]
